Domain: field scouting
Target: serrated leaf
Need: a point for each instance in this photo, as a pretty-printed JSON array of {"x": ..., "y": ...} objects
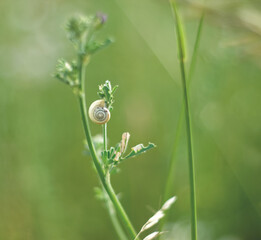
[{"x": 138, "y": 149}]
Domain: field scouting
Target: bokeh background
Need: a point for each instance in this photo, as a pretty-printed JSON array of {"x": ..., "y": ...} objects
[{"x": 46, "y": 183}]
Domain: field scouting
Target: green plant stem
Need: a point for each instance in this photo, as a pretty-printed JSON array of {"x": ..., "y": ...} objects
[
  {"x": 169, "y": 183},
  {"x": 115, "y": 221},
  {"x": 104, "y": 127},
  {"x": 110, "y": 207},
  {"x": 195, "y": 49},
  {"x": 170, "y": 175},
  {"x": 181, "y": 47},
  {"x": 105, "y": 180},
  {"x": 113, "y": 216}
]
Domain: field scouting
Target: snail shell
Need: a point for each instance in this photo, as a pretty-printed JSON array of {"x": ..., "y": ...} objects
[{"x": 98, "y": 113}]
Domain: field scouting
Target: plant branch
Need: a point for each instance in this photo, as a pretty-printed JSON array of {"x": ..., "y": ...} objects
[
  {"x": 104, "y": 179},
  {"x": 108, "y": 202}
]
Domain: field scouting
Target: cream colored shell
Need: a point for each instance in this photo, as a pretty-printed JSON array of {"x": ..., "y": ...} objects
[{"x": 98, "y": 113}]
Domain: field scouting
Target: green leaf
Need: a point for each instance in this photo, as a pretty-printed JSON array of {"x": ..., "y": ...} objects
[
  {"x": 94, "y": 46},
  {"x": 114, "y": 89},
  {"x": 99, "y": 194},
  {"x": 77, "y": 26},
  {"x": 114, "y": 170},
  {"x": 138, "y": 149},
  {"x": 106, "y": 92},
  {"x": 104, "y": 156},
  {"x": 67, "y": 72}
]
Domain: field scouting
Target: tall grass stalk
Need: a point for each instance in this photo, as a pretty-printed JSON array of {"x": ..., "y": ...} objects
[
  {"x": 105, "y": 179},
  {"x": 170, "y": 175},
  {"x": 182, "y": 54}
]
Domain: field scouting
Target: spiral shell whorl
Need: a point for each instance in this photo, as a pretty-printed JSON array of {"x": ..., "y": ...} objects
[{"x": 98, "y": 113}]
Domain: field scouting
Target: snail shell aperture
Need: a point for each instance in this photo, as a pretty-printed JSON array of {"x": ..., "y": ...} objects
[{"x": 98, "y": 113}]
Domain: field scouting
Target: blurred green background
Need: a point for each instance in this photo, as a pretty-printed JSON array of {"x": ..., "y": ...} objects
[{"x": 46, "y": 183}]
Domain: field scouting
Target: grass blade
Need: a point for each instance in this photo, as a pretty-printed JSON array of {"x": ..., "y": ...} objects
[
  {"x": 195, "y": 49},
  {"x": 181, "y": 56}
]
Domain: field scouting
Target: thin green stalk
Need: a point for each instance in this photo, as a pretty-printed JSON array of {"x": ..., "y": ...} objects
[
  {"x": 104, "y": 127},
  {"x": 169, "y": 182},
  {"x": 181, "y": 47},
  {"x": 104, "y": 179},
  {"x": 110, "y": 207},
  {"x": 170, "y": 176},
  {"x": 115, "y": 221},
  {"x": 195, "y": 49}
]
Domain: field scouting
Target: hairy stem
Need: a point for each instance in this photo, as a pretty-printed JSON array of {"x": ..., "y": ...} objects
[
  {"x": 181, "y": 47},
  {"x": 104, "y": 180}
]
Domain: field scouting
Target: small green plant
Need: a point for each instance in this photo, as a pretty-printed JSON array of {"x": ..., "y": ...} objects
[{"x": 81, "y": 31}]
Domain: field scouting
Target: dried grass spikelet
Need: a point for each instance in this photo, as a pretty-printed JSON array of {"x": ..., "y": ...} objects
[
  {"x": 155, "y": 219},
  {"x": 152, "y": 236}
]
